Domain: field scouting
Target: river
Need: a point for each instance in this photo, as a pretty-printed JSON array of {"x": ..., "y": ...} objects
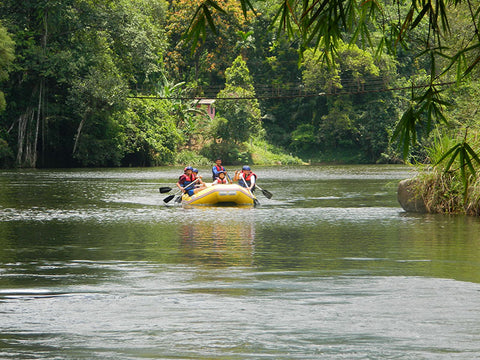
[{"x": 94, "y": 265}]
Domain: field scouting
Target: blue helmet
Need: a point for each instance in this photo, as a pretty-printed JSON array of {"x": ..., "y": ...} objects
[
  {"x": 246, "y": 167},
  {"x": 188, "y": 168},
  {"x": 195, "y": 170}
]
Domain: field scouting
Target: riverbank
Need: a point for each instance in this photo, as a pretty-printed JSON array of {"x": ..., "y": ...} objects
[{"x": 439, "y": 192}]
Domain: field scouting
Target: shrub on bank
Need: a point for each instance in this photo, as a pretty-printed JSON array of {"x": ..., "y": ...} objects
[
  {"x": 191, "y": 158},
  {"x": 452, "y": 184},
  {"x": 257, "y": 152}
]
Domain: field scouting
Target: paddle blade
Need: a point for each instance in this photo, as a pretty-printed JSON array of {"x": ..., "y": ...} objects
[
  {"x": 178, "y": 199},
  {"x": 267, "y": 194},
  {"x": 164, "y": 189},
  {"x": 168, "y": 198}
]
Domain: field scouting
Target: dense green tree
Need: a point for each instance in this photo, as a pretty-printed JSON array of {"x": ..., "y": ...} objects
[
  {"x": 355, "y": 119},
  {"x": 206, "y": 66},
  {"x": 76, "y": 61},
  {"x": 191, "y": 119},
  {"x": 238, "y": 111},
  {"x": 6, "y": 59},
  {"x": 427, "y": 25},
  {"x": 149, "y": 133}
]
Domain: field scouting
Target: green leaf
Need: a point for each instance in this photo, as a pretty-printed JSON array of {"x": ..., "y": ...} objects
[
  {"x": 451, "y": 150},
  {"x": 217, "y": 7},
  {"x": 420, "y": 15},
  {"x": 246, "y": 4},
  {"x": 405, "y": 131},
  {"x": 208, "y": 16},
  {"x": 473, "y": 154},
  {"x": 461, "y": 153},
  {"x": 456, "y": 150},
  {"x": 465, "y": 155}
]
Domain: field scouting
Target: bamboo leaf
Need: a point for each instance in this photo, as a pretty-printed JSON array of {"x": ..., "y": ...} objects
[
  {"x": 406, "y": 24},
  {"x": 453, "y": 152},
  {"x": 317, "y": 13},
  {"x": 472, "y": 66},
  {"x": 405, "y": 131},
  {"x": 246, "y": 5},
  {"x": 461, "y": 155},
  {"x": 420, "y": 15},
  {"x": 452, "y": 158},
  {"x": 208, "y": 16},
  {"x": 218, "y": 8},
  {"x": 193, "y": 26},
  {"x": 442, "y": 9},
  {"x": 468, "y": 161},
  {"x": 473, "y": 154}
]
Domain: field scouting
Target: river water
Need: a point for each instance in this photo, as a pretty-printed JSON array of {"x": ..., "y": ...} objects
[{"x": 94, "y": 265}]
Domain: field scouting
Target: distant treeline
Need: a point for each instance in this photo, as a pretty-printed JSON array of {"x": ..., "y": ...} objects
[{"x": 115, "y": 83}]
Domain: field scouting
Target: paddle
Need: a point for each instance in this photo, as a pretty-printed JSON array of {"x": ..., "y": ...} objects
[
  {"x": 164, "y": 189},
  {"x": 169, "y": 198},
  {"x": 179, "y": 198},
  {"x": 255, "y": 201},
  {"x": 266, "y": 193}
]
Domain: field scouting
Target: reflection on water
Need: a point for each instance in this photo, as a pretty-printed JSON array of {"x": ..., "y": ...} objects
[
  {"x": 93, "y": 265},
  {"x": 218, "y": 244}
]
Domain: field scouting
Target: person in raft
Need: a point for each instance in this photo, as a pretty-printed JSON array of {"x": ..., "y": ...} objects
[
  {"x": 221, "y": 179},
  {"x": 186, "y": 179},
  {"x": 200, "y": 182},
  {"x": 217, "y": 168},
  {"x": 246, "y": 178}
]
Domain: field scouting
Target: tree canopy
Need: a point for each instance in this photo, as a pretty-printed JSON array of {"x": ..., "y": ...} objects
[
  {"x": 421, "y": 28},
  {"x": 6, "y": 59},
  {"x": 324, "y": 25},
  {"x": 111, "y": 83}
]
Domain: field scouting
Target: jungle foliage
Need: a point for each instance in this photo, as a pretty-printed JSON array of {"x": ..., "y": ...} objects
[{"x": 117, "y": 83}]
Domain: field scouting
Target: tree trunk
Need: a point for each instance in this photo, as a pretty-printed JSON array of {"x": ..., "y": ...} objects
[
  {"x": 26, "y": 149},
  {"x": 79, "y": 130},
  {"x": 29, "y": 121}
]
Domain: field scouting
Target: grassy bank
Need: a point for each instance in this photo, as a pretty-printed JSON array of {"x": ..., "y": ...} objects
[
  {"x": 255, "y": 153},
  {"x": 451, "y": 184}
]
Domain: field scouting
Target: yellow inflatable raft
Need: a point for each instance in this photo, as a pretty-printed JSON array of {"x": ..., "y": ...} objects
[{"x": 221, "y": 194}]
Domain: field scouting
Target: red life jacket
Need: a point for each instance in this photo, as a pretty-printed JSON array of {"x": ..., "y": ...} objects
[
  {"x": 247, "y": 180},
  {"x": 221, "y": 181},
  {"x": 249, "y": 176},
  {"x": 185, "y": 179},
  {"x": 218, "y": 169}
]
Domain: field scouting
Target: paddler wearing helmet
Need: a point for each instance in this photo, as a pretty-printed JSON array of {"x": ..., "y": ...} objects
[
  {"x": 246, "y": 178},
  {"x": 199, "y": 178},
  {"x": 185, "y": 181},
  {"x": 220, "y": 179}
]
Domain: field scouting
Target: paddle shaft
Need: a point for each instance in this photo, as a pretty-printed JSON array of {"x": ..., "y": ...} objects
[
  {"x": 170, "y": 197},
  {"x": 255, "y": 201},
  {"x": 179, "y": 198},
  {"x": 193, "y": 182}
]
